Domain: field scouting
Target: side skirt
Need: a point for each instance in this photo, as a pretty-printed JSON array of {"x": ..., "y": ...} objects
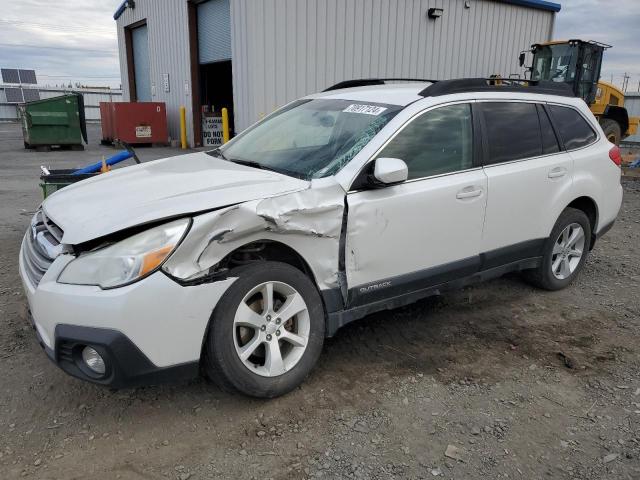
[{"x": 338, "y": 319}]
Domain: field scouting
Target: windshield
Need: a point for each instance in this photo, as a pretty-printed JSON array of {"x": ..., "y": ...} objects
[
  {"x": 556, "y": 63},
  {"x": 309, "y": 138}
]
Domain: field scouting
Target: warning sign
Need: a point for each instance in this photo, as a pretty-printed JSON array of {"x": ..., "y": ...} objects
[{"x": 211, "y": 131}]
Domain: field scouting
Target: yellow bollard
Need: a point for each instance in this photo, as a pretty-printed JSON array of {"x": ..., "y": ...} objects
[
  {"x": 183, "y": 127},
  {"x": 225, "y": 125}
]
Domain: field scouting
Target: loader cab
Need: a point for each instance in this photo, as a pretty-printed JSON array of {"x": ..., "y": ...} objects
[{"x": 574, "y": 62}]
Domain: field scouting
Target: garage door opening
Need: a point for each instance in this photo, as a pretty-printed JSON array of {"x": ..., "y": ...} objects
[{"x": 214, "y": 68}]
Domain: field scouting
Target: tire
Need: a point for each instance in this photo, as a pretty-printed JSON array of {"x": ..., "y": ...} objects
[
  {"x": 559, "y": 267},
  {"x": 611, "y": 130},
  {"x": 235, "y": 330}
]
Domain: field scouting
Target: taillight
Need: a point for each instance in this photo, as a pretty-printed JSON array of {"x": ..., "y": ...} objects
[{"x": 615, "y": 155}]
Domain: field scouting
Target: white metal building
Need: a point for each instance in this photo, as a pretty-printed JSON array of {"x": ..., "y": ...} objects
[{"x": 253, "y": 56}]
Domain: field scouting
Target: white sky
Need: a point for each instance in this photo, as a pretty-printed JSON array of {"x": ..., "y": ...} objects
[{"x": 75, "y": 40}]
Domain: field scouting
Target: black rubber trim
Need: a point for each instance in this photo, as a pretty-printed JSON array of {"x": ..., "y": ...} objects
[
  {"x": 126, "y": 365},
  {"x": 337, "y": 320},
  {"x": 512, "y": 253},
  {"x": 411, "y": 282},
  {"x": 405, "y": 289}
]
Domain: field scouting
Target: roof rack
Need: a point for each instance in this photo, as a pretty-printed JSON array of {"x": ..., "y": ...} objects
[
  {"x": 464, "y": 85},
  {"x": 366, "y": 82}
]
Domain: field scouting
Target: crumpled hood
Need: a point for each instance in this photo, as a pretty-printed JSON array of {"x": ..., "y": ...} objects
[{"x": 159, "y": 189}]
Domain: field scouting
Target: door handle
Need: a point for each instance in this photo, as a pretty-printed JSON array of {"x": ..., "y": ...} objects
[
  {"x": 557, "y": 172},
  {"x": 469, "y": 192}
]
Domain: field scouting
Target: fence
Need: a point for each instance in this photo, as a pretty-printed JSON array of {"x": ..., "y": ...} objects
[{"x": 92, "y": 99}]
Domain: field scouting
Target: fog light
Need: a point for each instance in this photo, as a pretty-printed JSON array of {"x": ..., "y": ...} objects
[{"x": 93, "y": 360}]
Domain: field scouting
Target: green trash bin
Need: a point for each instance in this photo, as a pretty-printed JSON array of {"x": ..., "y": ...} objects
[
  {"x": 57, "y": 179},
  {"x": 57, "y": 121}
]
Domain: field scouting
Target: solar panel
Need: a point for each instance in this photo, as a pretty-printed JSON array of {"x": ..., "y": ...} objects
[
  {"x": 27, "y": 76},
  {"x": 30, "y": 94},
  {"x": 10, "y": 75},
  {"x": 14, "y": 95}
]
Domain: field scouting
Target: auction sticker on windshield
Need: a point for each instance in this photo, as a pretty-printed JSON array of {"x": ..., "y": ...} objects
[{"x": 365, "y": 109}]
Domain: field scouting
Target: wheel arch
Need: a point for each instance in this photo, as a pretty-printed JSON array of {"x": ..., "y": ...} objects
[
  {"x": 265, "y": 250},
  {"x": 590, "y": 208}
]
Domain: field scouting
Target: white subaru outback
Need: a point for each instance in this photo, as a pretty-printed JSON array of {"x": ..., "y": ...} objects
[{"x": 243, "y": 259}]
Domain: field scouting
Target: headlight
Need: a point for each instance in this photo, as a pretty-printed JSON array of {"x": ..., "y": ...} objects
[{"x": 128, "y": 260}]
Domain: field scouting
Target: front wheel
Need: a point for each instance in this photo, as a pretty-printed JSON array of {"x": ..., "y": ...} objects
[
  {"x": 565, "y": 251},
  {"x": 266, "y": 332}
]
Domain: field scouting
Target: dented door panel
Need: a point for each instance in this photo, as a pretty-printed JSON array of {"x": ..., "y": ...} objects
[{"x": 398, "y": 237}]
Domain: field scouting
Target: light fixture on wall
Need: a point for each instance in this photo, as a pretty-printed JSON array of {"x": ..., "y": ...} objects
[
  {"x": 130, "y": 4},
  {"x": 435, "y": 12}
]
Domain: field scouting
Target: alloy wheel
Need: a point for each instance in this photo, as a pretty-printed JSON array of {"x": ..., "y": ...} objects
[
  {"x": 271, "y": 329},
  {"x": 567, "y": 251}
]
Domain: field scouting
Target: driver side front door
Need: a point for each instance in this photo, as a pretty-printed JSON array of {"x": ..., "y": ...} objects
[{"x": 426, "y": 231}]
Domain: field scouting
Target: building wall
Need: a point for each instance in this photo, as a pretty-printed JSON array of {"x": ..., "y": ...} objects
[
  {"x": 168, "y": 27},
  {"x": 632, "y": 102},
  {"x": 284, "y": 49},
  {"x": 92, "y": 99}
]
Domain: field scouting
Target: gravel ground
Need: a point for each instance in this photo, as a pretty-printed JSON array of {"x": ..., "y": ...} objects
[{"x": 495, "y": 381}]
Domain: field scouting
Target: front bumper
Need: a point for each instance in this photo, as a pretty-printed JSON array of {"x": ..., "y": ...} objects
[
  {"x": 126, "y": 365},
  {"x": 148, "y": 331}
]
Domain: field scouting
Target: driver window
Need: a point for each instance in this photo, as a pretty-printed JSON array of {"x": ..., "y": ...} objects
[{"x": 437, "y": 142}]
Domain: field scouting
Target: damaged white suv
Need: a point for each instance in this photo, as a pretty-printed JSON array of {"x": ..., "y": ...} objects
[{"x": 240, "y": 261}]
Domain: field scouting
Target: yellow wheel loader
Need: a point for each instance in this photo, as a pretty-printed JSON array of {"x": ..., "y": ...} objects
[{"x": 578, "y": 63}]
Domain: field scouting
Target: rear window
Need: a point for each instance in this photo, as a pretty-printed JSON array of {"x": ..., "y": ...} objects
[
  {"x": 512, "y": 130},
  {"x": 572, "y": 127}
]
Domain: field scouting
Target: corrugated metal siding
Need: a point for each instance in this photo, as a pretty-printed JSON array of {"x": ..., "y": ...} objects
[
  {"x": 214, "y": 31},
  {"x": 632, "y": 103},
  {"x": 284, "y": 49},
  {"x": 168, "y": 27}
]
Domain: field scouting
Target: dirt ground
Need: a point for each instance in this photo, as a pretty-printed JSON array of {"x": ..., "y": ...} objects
[{"x": 496, "y": 381}]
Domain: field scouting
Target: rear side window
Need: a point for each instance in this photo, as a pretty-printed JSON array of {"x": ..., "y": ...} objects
[
  {"x": 512, "y": 131},
  {"x": 572, "y": 127},
  {"x": 549, "y": 140}
]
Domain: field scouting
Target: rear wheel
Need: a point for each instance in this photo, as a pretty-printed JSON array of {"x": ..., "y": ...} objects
[
  {"x": 565, "y": 251},
  {"x": 611, "y": 130},
  {"x": 266, "y": 332}
]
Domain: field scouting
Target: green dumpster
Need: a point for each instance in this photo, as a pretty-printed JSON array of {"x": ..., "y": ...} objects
[
  {"x": 57, "y": 121},
  {"x": 54, "y": 180}
]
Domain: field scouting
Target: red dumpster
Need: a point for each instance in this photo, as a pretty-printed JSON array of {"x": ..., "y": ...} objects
[{"x": 134, "y": 122}]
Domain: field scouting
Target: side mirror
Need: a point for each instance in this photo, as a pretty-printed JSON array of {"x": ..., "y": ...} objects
[
  {"x": 521, "y": 58},
  {"x": 390, "y": 170}
]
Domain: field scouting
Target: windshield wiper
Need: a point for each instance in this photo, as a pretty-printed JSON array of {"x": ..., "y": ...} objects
[
  {"x": 218, "y": 153},
  {"x": 254, "y": 164}
]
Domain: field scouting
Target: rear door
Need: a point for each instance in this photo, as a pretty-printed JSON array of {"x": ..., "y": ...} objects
[
  {"x": 427, "y": 230},
  {"x": 528, "y": 176}
]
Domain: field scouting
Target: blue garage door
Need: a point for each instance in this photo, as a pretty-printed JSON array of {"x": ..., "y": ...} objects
[
  {"x": 214, "y": 31},
  {"x": 140, "y": 43}
]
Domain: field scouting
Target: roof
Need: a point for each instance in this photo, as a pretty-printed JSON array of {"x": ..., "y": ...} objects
[
  {"x": 403, "y": 94},
  {"x": 539, "y": 4},
  {"x": 120, "y": 10}
]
